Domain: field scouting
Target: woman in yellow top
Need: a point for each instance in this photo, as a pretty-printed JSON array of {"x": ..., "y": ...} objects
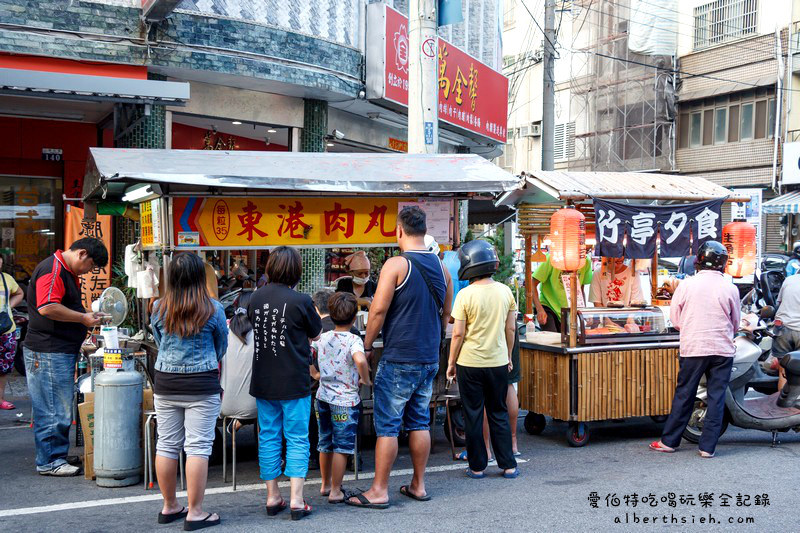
[
  {"x": 480, "y": 356},
  {"x": 10, "y": 297}
]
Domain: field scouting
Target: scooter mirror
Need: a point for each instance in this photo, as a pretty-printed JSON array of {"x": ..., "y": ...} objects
[{"x": 767, "y": 312}]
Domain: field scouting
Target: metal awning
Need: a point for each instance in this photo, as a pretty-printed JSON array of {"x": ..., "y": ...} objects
[
  {"x": 545, "y": 187},
  {"x": 723, "y": 88},
  {"x": 110, "y": 170},
  {"x": 786, "y": 203},
  {"x": 34, "y": 83}
]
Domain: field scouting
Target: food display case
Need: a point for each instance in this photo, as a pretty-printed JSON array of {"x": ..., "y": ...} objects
[{"x": 606, "y": 325}]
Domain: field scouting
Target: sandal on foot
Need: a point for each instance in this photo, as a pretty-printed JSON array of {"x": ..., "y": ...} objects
[
  {"x": 511, "y": 475},
  {"x": 171, "y": 517},
  {"x": 658, "y": 446},
  {"x": 461, "y": 456},
  {"x": 194, "y": 525},
  {"x": 304, "y": 511},
  {"x": 364, "y": 502},
  {"x": 7, "y": 406},
  {"x": 272, "y": 510},
  {"x": 473, "y": 475},
  {"x": 706, "y": 455},
  {"x": 405, "y": 490}
]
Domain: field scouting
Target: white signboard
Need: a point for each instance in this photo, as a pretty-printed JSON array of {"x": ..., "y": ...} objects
[
  {"x": 438, "y": 214},
  {"x": 791, "y": 163},
  {"x": 750, "y": 212}
]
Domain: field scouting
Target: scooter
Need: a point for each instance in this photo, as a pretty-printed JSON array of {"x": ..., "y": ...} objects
[{"x": 777, "y": 412}]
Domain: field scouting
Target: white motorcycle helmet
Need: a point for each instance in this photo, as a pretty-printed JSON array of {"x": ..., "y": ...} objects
[{"x": 431, "y": 245}]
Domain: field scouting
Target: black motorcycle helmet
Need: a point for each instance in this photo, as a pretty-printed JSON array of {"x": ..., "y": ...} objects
[
  {"x": 796, "y": 249},
  {"x": 478, "y": 259},
  {"x": 712, "y": 255}
]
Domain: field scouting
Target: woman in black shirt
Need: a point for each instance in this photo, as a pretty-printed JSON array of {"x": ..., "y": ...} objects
[{"x": 284, "y": 321}]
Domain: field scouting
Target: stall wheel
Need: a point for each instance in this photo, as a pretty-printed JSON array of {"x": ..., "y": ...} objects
[
  {"x": 578, "y": 434},
  {"x": 535, "y": 423}
]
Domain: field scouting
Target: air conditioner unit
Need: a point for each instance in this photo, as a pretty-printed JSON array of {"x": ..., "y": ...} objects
[
  {"x": 535, "y": 129},
  {"x": 524, "y": 131}
]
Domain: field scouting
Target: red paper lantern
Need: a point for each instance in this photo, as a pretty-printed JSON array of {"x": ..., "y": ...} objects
[
  {"x": 739, "y": 237},
  {"x": 568, "y": 238}
]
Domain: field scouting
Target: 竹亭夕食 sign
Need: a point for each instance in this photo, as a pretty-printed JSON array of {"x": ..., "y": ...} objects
[
  {"x": 472, "y": 95},
  {"x": 244, "y": 222}
]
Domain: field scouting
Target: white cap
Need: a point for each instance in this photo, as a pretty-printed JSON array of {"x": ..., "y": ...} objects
[{"x": 431, "y": 245}]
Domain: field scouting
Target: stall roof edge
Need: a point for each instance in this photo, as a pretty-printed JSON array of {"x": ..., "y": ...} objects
[
  {"x": 298, "y": 172},
  {"x": 541, "y": 186}
]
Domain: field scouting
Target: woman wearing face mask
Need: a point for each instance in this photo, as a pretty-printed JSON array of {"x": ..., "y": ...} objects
[
  {"x": 357, "y": 281},
  {"x": 614, "y": 284}
]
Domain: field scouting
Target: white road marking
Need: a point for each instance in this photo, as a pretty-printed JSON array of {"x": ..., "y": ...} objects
[{"x": 156, "y": 496}]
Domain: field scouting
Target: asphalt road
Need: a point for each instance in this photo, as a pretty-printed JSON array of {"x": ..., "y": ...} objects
[{"x": 552, "y": 493}]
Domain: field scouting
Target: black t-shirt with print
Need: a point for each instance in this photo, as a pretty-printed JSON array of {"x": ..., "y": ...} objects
[{"x": 283, "y": 322}]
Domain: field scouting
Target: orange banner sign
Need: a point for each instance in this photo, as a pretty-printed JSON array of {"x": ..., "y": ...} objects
[
  {"x": 250, "y": 222},
  {"x": 75, "y": 227}
]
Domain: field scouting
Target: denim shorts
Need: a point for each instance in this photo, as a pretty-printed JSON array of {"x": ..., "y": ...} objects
[
  {"x": 402, "y": 397},
  {"x": 338, "y": 427}
]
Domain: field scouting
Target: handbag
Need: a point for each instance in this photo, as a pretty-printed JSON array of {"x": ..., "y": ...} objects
[
  {"x": 436, "y": 298},
  {"x": 5, "y": 320}
]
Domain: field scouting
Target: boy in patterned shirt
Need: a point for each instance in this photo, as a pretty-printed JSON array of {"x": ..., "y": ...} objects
[{"x": 340, "y": 367}]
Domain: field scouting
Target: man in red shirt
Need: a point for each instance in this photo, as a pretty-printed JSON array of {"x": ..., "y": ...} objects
[{"x": 57, "y": 328}]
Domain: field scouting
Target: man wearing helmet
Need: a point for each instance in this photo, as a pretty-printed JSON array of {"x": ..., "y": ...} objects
[
  {"x": 706, "y": 310},
  {"x": 480, "y": 356}
]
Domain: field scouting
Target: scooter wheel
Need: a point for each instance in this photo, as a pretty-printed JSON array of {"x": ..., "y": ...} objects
[
  {"x": 695, "y": 426},
  {"x": 578, "y": 435}
]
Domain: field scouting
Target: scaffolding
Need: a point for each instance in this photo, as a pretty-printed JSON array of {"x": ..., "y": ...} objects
[{"x": 621, "y": 103}]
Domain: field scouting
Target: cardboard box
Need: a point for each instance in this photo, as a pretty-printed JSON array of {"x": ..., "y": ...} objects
[
  {"x": 86, "y": 412},
  {"x": 88, "y": 465},
  {"x": 147, "y": 400}
]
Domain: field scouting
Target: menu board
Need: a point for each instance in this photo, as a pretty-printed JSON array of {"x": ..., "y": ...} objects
[{"x": 439, "y": 217}]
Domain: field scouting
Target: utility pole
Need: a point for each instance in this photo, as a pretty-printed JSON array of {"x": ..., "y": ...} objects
[
  {"x": 423, "y": 86},
  {"x": 548, "y": 85}
]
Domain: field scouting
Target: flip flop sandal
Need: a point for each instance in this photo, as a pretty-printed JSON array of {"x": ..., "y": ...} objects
[
  {"x": 511, "y": 475},
  {"x": 169, "y": 518},
  {"x": 517, "y": 454},
  {"x": 706, "y": 455},
  {"x": 272, "y": 510},
  {"x": 461, "y": 456},
  {"x": 304, "y": 511},
  {"x": 364, "y": 502},
  {"x": 406, "y": 491},
  {"x": 194, "y": 525},
  {"x": 8, "y": 406},
  {"x": 473, "y": 475},
  {"x": 658, "y": 446}
]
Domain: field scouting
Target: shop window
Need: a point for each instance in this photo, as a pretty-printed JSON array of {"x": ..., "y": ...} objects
[
  {"x": 746, "y": 127},
  {"x": 31, "y": 225},
  {"x": 721, "y": 125}
]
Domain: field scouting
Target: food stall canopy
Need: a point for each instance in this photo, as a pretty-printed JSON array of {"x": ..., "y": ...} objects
[
  {"x": 785, "y": 204},
  {"x": 545, "y": 187},
  {"x": 111, "y": 170}
]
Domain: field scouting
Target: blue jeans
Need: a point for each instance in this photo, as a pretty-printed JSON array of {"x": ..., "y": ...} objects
[
  {"x": 287, "y": 419},
  {"x": 338, "y": 427},
  {"x": 51, "y": 383},
  {"x": 402, "y": 397}
]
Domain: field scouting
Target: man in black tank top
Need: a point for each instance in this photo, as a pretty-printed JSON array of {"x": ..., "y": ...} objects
[{"x": 406, "y": 303}]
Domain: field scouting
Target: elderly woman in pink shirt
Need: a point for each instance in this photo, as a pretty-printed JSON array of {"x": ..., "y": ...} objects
[{"x": 706, "y": 310}]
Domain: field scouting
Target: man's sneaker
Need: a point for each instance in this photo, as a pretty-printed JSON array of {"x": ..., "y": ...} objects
[{"x": 64, "y": 470}]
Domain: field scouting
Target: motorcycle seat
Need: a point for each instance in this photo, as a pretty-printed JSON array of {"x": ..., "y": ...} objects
[{"x": 791, "y": 363}]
